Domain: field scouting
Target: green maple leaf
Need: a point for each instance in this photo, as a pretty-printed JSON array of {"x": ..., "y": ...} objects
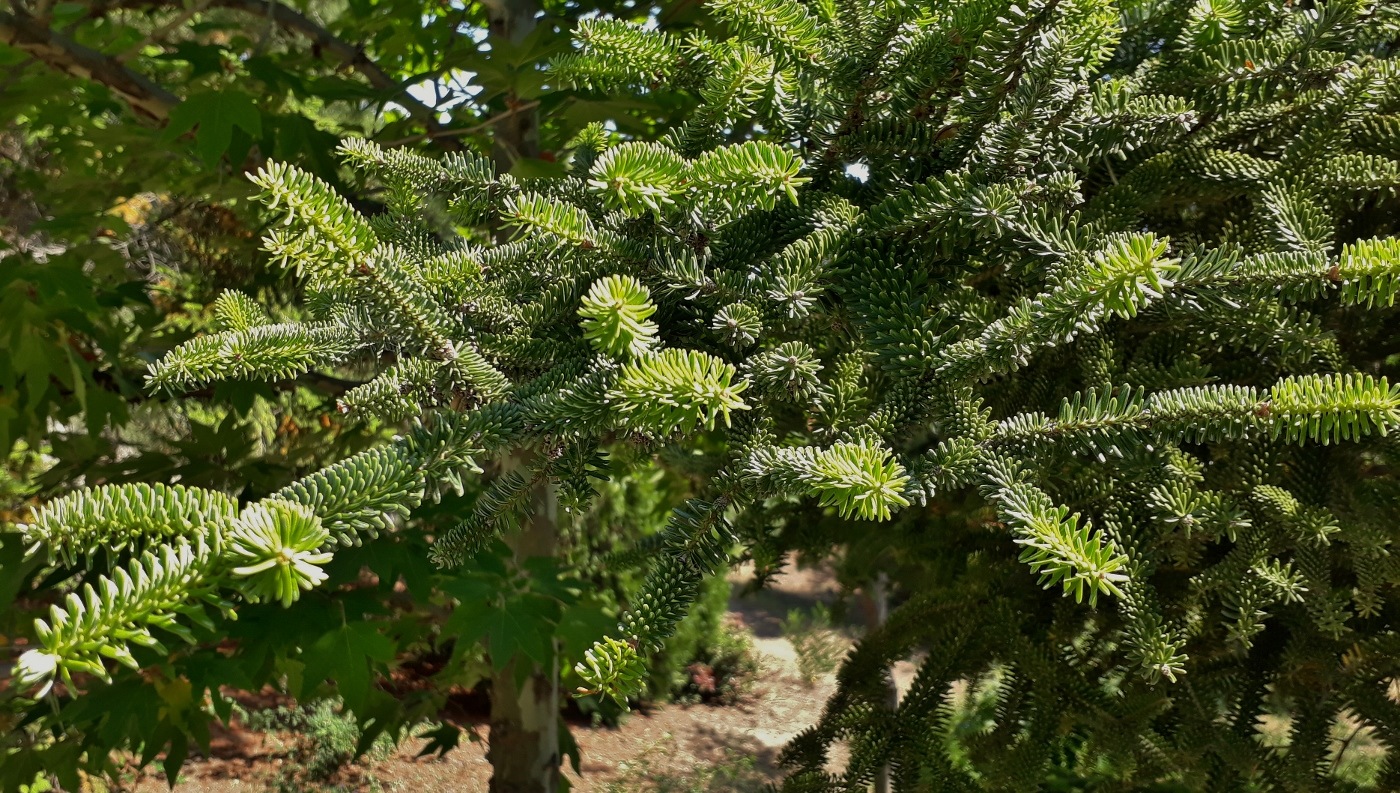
[
  {"x": 202, "y": 58},
  {"x": 213, "y": 115},
  {"x": 523, "y": 624},
  {"x": 345, "y": 655},
  {"x": 582, "y": 624}
]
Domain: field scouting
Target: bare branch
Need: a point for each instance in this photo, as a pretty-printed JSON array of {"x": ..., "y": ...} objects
[
  {"x": 151, "y": 100},
  {"x": 65, "y": 55},
  {"x": 464, "y": 131},
  {"x": 159, "y": 34},
  {"x": 347, "y": 54}
]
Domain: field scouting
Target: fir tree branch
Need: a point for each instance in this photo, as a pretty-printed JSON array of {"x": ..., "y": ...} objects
[
  {"x": 112, "y": 613},
  {"x": 1320, "y": 408},
  {"x": 114, "y": 518},
  {"x": 462, "y": 132}
]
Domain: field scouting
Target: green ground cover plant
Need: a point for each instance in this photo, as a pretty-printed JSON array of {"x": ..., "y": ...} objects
[{"x": 818, "y": 646}]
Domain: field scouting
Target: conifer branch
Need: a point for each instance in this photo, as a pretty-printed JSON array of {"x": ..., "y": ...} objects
[
  {"x": 1057, "y": 546},
  {"x": 676, "y": 390},
  {"x": 111, "y": 614},
  {"x": 615, "y": 317},
  {"x": 116, "y": 517}
]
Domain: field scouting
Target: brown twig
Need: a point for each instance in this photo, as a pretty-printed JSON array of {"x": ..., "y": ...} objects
[
  {"x": 160, "y": 33},
  {"x": 65, "y": 55},
  {"x": 349, "y": 55},
  {"x": 457, "y": 133}
]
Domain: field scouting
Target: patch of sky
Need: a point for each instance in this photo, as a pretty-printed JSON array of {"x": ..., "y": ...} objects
[{"x": 453, "y": 88}]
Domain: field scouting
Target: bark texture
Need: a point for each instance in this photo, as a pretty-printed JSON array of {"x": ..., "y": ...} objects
[
  {"x": 23, "y": 32},
  {"x": 518, "y": 134},
  {"x": 880, "y": 595},
  {"x": 524, "y": 737}
]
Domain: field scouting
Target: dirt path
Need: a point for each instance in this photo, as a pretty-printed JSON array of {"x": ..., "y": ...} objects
[{"x": 679, "y": 743}]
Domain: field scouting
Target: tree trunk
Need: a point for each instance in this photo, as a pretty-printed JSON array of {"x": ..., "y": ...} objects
[
  {"x": 524, "y": 748},
  {"x": 516, "y": 135},
  {"x": 524, "y": 737},
  {"x": 880, "y": 595}
]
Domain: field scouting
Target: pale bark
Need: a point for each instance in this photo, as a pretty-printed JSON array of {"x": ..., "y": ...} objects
[
  {"x": 524, "y": 737},
  {"x": 880, "y": 595}
]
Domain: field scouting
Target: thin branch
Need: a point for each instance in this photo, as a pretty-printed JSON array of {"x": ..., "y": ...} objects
[
  {"x": 349, "y": 55},
  {"x": 164, "y": 30},
  {"x": 323, "y": 384},
  {"x": 65, "y": 55},
  {"x": 149, "y": 99},
  {"x": 43, "y": 10},
  {"x": 463, "y": 131}
]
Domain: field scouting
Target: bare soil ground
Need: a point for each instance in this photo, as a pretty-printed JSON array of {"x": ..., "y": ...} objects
[{"x": 666, "y": 748}]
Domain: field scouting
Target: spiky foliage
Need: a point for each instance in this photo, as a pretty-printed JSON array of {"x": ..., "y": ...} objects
[
  {"x": 359, "y": 497},
  {"x": 163, "y": 588},
  {"x": 116, "y": 517},
  {"x": 191, "y": 548},
  {"x": 236, "y": 311},
  {"x": 255, "y": 353},
  {"x": 1110, "y": 311},
  {"x": 1111, "y": 300},
  {"x": 615, "y": 317},
  {"x": 676, "y": 390},
  {"x": 490, "y": 347},
  {"x": 277, "y": 547},
  {"x": 857, "y": 478}
]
